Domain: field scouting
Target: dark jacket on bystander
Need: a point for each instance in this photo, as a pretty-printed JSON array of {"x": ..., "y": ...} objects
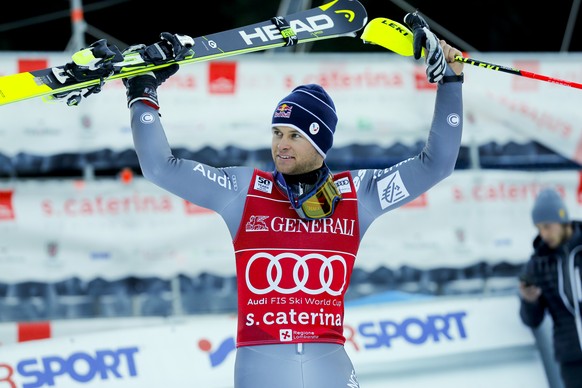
[{"x": 558, "y": 273}]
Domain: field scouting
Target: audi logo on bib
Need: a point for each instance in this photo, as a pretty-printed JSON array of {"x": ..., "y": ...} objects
[{"x": 288, "y": 273}]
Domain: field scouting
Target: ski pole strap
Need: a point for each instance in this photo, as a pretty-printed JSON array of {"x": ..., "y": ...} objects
[{"x": 286, "y": 31}]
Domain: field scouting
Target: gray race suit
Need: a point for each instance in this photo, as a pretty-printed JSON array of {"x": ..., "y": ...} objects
[{"x": 223, "y": 190}]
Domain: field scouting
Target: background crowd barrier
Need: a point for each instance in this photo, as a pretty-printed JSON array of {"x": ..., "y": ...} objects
[
  {"x": 106, "y": 280},
  {"x": 457, "y": 342}
]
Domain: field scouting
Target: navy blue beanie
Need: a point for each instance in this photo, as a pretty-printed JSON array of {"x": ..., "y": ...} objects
[
  {"x": 310, "y": 110},
  {"x": 549, "y": 208}
]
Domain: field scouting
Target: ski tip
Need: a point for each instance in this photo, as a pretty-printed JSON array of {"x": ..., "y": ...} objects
[{"x": 389, "y": 34}]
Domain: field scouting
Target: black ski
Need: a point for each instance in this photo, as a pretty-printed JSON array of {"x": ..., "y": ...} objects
[{"x": 337, "y": 18}]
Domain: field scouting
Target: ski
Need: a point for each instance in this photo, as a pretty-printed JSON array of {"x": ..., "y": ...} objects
[{"x": 338, "y": 18}]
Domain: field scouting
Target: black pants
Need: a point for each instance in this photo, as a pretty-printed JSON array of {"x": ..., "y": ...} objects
[{"x": 571, "y": 373}]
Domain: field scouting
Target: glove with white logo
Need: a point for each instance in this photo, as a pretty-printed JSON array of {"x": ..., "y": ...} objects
[{"x": 425, "y": 38}]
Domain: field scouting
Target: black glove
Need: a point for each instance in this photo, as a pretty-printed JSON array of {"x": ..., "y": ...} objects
[
  {"x": 144, "y": 86},
  {"x": 424, "y": 38}
]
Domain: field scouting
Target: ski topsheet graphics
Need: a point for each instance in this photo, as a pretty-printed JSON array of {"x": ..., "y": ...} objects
[{"x": 81, "y": 77}]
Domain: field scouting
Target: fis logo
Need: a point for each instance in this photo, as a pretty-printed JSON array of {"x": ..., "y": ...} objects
[{"x": 311, "y": 24}]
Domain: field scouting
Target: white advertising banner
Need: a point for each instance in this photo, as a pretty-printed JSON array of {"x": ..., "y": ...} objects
[
  {"x": 469, "y": 217},
  {"x": 397, "y": 344},
  {"x": 380, "y": 99},
  {"x": 52, "y": 230},
  {"x": 58, "y": 229}
]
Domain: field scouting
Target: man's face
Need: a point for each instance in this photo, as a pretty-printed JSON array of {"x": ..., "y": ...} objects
[
  {"x": 553, "y": 233},
  {"x": 292, "y": 153}
]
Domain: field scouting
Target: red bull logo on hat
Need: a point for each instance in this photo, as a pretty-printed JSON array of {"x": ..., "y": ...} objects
[{"x": 283, "y": 110}]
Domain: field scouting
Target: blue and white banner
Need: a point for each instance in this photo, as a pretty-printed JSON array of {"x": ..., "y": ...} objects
[{"x": 461, "y": 342}]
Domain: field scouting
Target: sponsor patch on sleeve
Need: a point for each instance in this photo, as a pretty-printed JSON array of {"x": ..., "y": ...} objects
[{"x": 391, "y": 190}]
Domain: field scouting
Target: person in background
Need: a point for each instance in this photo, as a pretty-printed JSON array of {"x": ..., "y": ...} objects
[
  {"x": 551, "y": 282},
  {"x": 296, "y": 229}
]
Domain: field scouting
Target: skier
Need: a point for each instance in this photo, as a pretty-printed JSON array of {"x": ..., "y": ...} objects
[{"x": 296, "y": 230}]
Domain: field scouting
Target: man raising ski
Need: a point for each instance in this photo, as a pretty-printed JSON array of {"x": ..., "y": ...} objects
[{"x": 296, "y": 230}]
